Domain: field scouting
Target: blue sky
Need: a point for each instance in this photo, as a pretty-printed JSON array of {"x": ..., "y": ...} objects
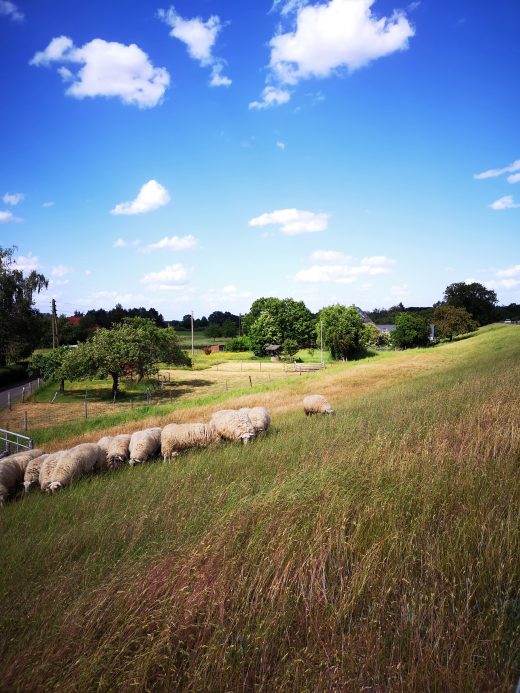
[{"x": 202, "y": 154}]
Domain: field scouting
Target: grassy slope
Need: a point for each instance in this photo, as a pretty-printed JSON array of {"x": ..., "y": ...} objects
[{"x": 376, "y": 549}]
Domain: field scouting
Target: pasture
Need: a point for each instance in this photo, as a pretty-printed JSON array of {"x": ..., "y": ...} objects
[{"x": 374, "y": 550}]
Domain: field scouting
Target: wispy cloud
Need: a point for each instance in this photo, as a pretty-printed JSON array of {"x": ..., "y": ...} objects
[
  {"x": 271, "y": 96},
  {"x": 9, "y": 9},
  {"x": 48, "y": 204},
  {"x": 199, "y": 37},
  {"x": 495, "y": 172},
  {"x": 505, "y": 202},
  {"x": 341, "y": 269},
  {"x": 106, "y": 68},
  {"x": 293, "y": 221},
  {"x": 174, "y": 243},
  {"x": 151, "y": 196},
  {"x": 27, "y": 263},
  {"x": 13, "y": 198},
  {"x": 61, "y": 271}
]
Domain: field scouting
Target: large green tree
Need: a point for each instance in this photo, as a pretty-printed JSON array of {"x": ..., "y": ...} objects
[
  {"x": 479, "y": 301},
  {"x": 450, "y": 321},
  {"x": 263, "y": 332},
  {"x": 18, "y": 318},
  {"x": 410, "y": 331},
  {"x": 133, "y": 346},
  {"x": 292, "y": 318},
  {"x": 343, "y": 331},
  {"x": 56, "y": 364}
]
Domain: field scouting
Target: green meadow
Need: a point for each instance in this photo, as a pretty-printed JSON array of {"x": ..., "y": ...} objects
[{"x": 377, "y": 549}]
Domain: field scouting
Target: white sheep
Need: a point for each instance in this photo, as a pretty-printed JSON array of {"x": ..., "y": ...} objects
[
  {"x": 316, "y": 404},
  {"x": 12, "y": 470},
  {"x": 75, "y": 463},
  {"x": 231, "y": 424},
  {"x": 104, "y": 444},
  {"x": 31, "y": 476},
  {"x": 260, "y": 417},
  {"x": 177, "y": 437},
  {"x": 47, "y": 467},
  {"x": 144, "y": 445},
  {"x": 118, "y": 450}
]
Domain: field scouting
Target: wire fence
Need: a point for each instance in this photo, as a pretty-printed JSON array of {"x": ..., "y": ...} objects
[{"x": 28, "y": 416}]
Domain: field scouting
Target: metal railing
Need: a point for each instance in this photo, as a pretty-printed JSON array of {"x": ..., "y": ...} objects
[{"x": 14, "y": 442}]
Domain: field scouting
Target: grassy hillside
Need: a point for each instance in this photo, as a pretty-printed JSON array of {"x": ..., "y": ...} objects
[{"x": 377, "y": 549}]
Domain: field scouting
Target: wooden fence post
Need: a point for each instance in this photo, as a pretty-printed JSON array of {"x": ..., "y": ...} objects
[
  {"x": 9, "y": 400},
  {"x": 23, "y": 394},
  {"x": 250, "y": 381},
  {"x": 25, "y": 421},
  {"x": 85, "y": 407}
]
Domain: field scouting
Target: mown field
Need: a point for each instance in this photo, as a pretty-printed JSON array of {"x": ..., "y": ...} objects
[{"x": 375, "y": 550}]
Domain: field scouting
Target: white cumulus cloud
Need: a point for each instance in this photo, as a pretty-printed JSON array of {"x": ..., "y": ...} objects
[
  {"x": 174, "y": 243},
  {"x": 509, "y": 271},
  {"x": 293, "y": 221},
  {"x": 514, "y": 178},
  {"x": 151, "y": 196},
  {"x": 329, "y": 37},
  {"x": 6, "y": 216},
  {"x": 27, "y": 263},
  {"x": 495, "y": 172},
  {"x": 13, "y": 198},
  {"x": 271, "y": 96},
  {"x": 342, "y": 269},
  {"x": 106, "y": 68},
  {"x": 171, "y": 278},
  {"x": 9, "y": 9},
  {"x": 199, "y": 37},
  {"x": 334, "y": 35},
  {"x": 505, "y": 202}
]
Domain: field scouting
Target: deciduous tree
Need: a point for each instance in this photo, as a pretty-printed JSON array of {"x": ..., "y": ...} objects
[
  {"x": 479, "y": 301},
  {"x": 343, "y": 331},
  {"x": 410, "y": 331},
  {"x": 18, "y": 335},
  {"x": 450, "y": 321}
]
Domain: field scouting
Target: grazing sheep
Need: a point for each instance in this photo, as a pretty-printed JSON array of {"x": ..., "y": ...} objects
[
  {"x": 12, "y": 470},
  {"x": 104, "y": 444},
  {"x": 32, "y": 472},
  {"x": 118, "y": 451},
  {"x": 75, "y": 463},
  {"x": 259, "y": 416},
  {"x": 47, "y": 467},
  {"x": 316, "y": 404},
  {"x": 177, "y": 437},
  {"x": 144, "y": 445},
  {"x": 231, "y": 424}
]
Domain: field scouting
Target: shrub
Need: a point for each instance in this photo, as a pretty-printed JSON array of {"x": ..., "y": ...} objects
[{"x": 239, "y": 344}]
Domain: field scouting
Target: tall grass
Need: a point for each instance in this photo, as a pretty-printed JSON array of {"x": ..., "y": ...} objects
[{"x": 375, "y": 550}]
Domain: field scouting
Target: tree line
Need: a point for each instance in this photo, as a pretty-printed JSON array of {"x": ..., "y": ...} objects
[{"x": 285, "y": 322}]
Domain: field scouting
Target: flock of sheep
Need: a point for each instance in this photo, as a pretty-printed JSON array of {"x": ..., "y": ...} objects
[{"x": 59, "y": 469}]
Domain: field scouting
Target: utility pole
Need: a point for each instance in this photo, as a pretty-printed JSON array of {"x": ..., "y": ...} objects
[
  {"x": 240, "y": 324},
  {"x": 54, "y": 325},
  {"x": 192, "y": 338}
]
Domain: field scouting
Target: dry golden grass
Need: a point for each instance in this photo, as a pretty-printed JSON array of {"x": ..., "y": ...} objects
[
  {"x": 372, "y": 551},
  {"x": 337, "y": 382}
]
